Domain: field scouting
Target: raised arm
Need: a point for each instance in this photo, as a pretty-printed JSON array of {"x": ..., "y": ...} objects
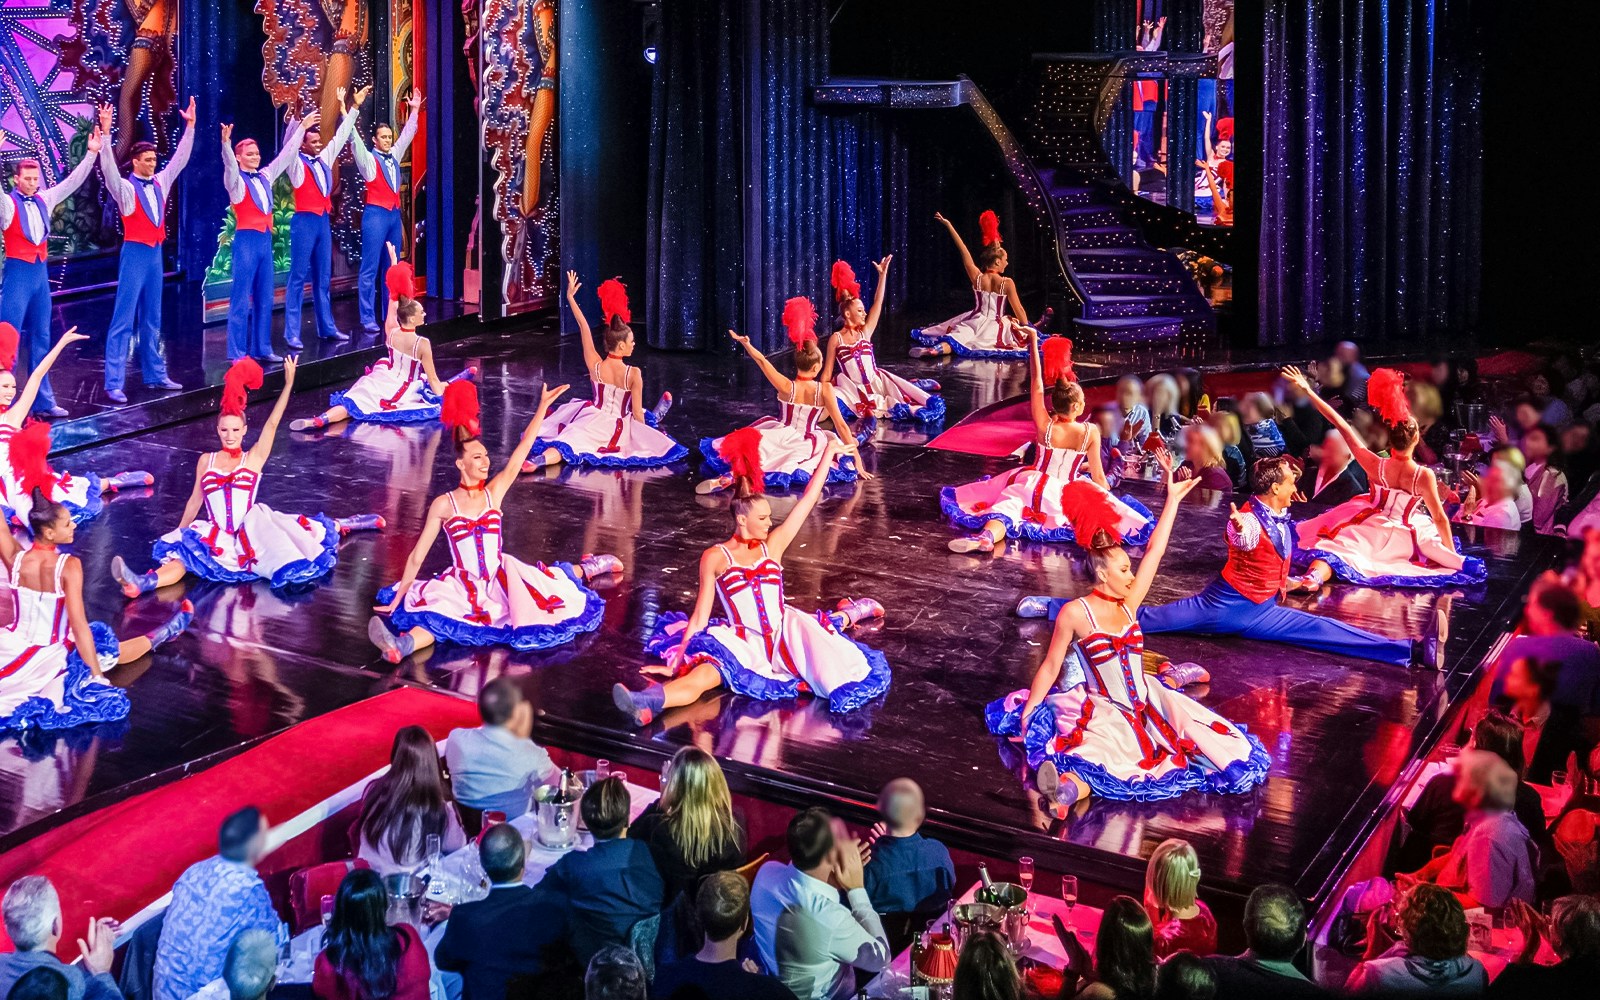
[
  {"x": 269, "y": 431},
  {"x": 1036, "y": 407},
  {"x": 77, "y": 620},
  {"x": 828, "y": 358},
  {"x": 1151, "y": 563},
  {"x": 591, "y": 356},
  {"x": 232, "y": 180},
  {"x": 966, "y": 257},
  {"x": 408, "y": 131},
  {"x": 779, "y": 381},
  {"x": 23, "y": 404},
  {"x": 873, "y": 314},
  {"x": 1211, "y": 152},
  {"x": 419, "y": 552},
  {"x": 288, "y": 157},
  {"x": 1358, "y": 448},
  {"x": 168, "y": 175},
  {"x": 779, "y": 538},
  {"x": 347, "y": 128},
  {"x": 120, "y": 187},
  {"x": 503, "y": 479},
  {"x": 55, "y": 194},
  {"x": 365, "y": 164}
]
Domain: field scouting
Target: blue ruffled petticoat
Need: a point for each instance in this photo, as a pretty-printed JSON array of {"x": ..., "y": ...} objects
[
  {"x": 1033, "y": 532},
  {"x": 196, "y": 556},
  {"x": 86, "y": 701},
  {"x": 841, "y": 471},
  {"x": 961, "y": 350},
  {"x": 1473, "y": 571},
  {"x": 677, "y": 454},
  {"x": 414, "y": 415},
  {"x": 931, "y": 412},
  {"x": 525, "y": 638}
]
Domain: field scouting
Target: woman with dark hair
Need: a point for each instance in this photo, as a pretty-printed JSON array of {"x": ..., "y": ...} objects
[
  {"x": 486, "y": 597},
  {"x": 986, "y": 970},
  {"x": 363, "y": 958},
  {"x": 1547, "y": 482},
  {"x": 1192, "y": 399},
  {"x": 764, "y": 649},
  {"x": 1124, "y": 963},
  {"x": 1185, "y": 976},
  {"x": 792, "y": 443},
  {"x": 864, "y": 388},
  {"x": 1397, "y": 534},
  {"x": 240, "y": 540},
  {"x": 1025, "y": 503},
  {"x": 401, "y": 809},
  {"x": 611, "y": 431},
  {"x": 1550, "y": 732},
  {"x": 984, "y": 331},
  {"x": 1430, "y": 959}
]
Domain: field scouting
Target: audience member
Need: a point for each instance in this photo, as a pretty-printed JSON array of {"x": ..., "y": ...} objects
[
  {"x": 1491, "y": 499},
  {"x": 1124, "y": 962},
  {"x": 1551, "y": 620},
  {"x": 986, "y": 970},
  {"x": 1578, "y": 446},
  {"x": 32, "y": 911},
  {"x": 1161, "y": 396},
  {"x": 401, "y": 809},
  {"x": 1573, "y": 931},
  {"x": 363, "y": 958},
  {"x": 1171, "y": 898},
  {"x": 497, "y": 765},
  {"x": 1549, "y": 734},
  {"x": 475, "y": 944},
  {"x": 1430, "y": 959},
  {"x": 722, "y": 907},
  {"x": 1192, "y": 399},
  {"x": 1299, "y": 421},
  {"x": 801, "y": 929},
  {"x": 250, "y": 970},
  {"x": 693, "y": 831},
  {"x": 1547, "y": 483},
  {"x": 1258, "y": 414},
  {"x": 1228, "y": 432},
  {"x": 213, "y": 902},
  {"x": 1492, "y": 862},
  {"x": 1185, "y": 976},
  {"x": 1336, "y": 476},
  {"x": 1202, "y": 450},
  {"x": 615, "y": 973},
  {"x": 1135, "y": 416},
  {"x": 1584, "y": 581},
  {"x": 1275, "y": 932},
  {"x": 1553, "y": 410},
  {"x": 40, "y": 983},
  {"x": 1107, "y": 418},
  {"x": 1576, "y": 839},
  {"x": 611, "y": 886},
  {"x": 1355, "y": 373},
  {"x": 1511, "y": 456},
  {"x": 908, "y": 873},
  {"x": 1433, "y": 435}
]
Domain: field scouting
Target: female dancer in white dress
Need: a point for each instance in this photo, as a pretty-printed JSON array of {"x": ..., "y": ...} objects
[
  {"x": 1115, "y": 734},
  {"x": 486, "y": 597},
  {"x": 865, "y": 389},
  {"x": 985, "y": 331},
  {"x": 239, "y": 539},
  {"x": 764, "y": 649},
  {"x": 611, "y": 431},
  {"x": 83, "y": 495},
  {"x": 1027, "y": 503},
  {"x": 791, "y": 443},
  {"x": 1395, "y": 535},
  {"x": 46, "y": 682}
]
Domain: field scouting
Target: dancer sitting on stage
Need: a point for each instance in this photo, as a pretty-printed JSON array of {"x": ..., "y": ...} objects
[
  {"x": 240, "y": 539},
  {"x": 1243, "y": 599},
  {"x": 83, "y": 495},
  {"x": 381, "y": 224},
  {"x": 792, "y": 443},
  {"x": 486, "y": 597},
  {"x": 985, "y": 331},
  {"x": 249, "y": 187},
  {"x": 1026, "y": 503},
  {"x": 765, "y": 649},
  {"x": 1114, "y": 734},
  {"x": 310, "y": 233},
  {"x": 865, "y": 389},
  {"x": 48, "y": 683},
  {"x": 611, "y": 431},
  {"x": 1395, "y": 535},
  {"x": 403, "y": 388}
]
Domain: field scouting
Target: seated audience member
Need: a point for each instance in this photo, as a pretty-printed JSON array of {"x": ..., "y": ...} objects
[
  {"x": 1546, "y": 482},
  {"x": 611, "y": 886},
  {"x": 723, "y": 908},
  {"x": 363, "y": 958},
  {"x": 1298, "y": 419},
  {"x": 1161, "y": 397},
  {"x": 1124, "y": 963},
  {"x": 1491, "y": 499},
  {"x": 1492, "y": 862},
  {"x": 1549, "y": 735},
  {"x": 250, "y": 970},
  {"x": 1336, "y": 476},
  {"x": 1578, "y": 446},
  {"x": 1553, "y": 410},
  {"x": 1192, "y": 398},
  {"x": 1134, "y": 425},
  {"x": 1573, "y": 931},
  {"x": 1433, "y": 435},
  {"x": 1374, "y": 432},
  {"x": 801, "y": 929},
  {"x": 986, "y": 970},
  {"x": 40, "y": 983},
  {"x": 1275, "y": 931},
  {"x": 1185, "y": 976},
  {"x": 1430, "y": 959},
  {"x": 1583, "y": 578},
  {"x": 615, "y": 973},
  {"x": 908, "y": 873},
  {"x": 475, "y": 941},
  {"x": 1109, "y": 421},
  {"x": 1259, "y": 417},
  {"x": 1576, "y": 839},
  {"x": 401, "y": 809},
  {"x": 1512, "y": 456},
  {"x": 693, "y": 831},
  {"x": 1171, "y": 898},
  {"x": 1355, "y": 372},
  {"x": 1202, "y": 451},
  {"x": 32, "y": 911},
  {"x": 1226, "y": 424},
  {"x": 213, "y": 902},
  {"x": 1551, "y": 618},
  {"x": 497, "y": 765}
]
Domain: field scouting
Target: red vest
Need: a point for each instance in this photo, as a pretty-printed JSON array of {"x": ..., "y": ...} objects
[
  {"x": 1260, "y": 574},
  {"x": 379, "y": 193},
  {"x": 18, "y": 246},
  {"x": 136, "y": 225},
  {"x": 248, "y": 215},
  {"x": 308, "y": 197}
]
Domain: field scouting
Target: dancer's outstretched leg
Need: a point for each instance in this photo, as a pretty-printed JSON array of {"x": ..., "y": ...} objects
[
  {"x": 643, "y": 706},
  {"x": 360, "y": 522},
  {"x": 333, "y": 415},
  {"x": 140, "y": 646},
  {"x": 133, "y": 584}
]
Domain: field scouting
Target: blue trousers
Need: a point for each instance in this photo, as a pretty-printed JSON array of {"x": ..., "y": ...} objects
[
  {"x": 379, "y": 226},
  {"x": 1221, "y": 610},
  {"x": 136, "y": 317},
  {"x": 310, "y": 258},
  {"x": 25, "y": 304},
  {"x": 250, "y": 305}
]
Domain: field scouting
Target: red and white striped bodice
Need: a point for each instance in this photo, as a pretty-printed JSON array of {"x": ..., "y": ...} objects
[
  {"x": 1115, "y": 663},
  {"x": 475, "y": 542},
  {"x": 612, "y": 400},
  {"x": 859, "y": 361},
  {"x": 752, "y": 596},
  {"x": 406, "y": 365},
  {"x": 798, "y": 416},
  {"x": 228, "y": 496},
  {"x": 1065, "y": 464},
  {"x": 39, "y": 618},
  {"x": 1399, "y": 502}
]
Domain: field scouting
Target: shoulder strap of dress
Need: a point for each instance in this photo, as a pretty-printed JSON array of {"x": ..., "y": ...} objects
[
  {"x": 794, "y": 390},
  {"x": 61, "y": 562},
  {"x": 1129, "y": 615},
  {"x": 1416, "y": 474},
  {"x": 1089, "y": 612},
  {"x": 764, "y": 554},
  {"x": 1383, "y": 472},
  {"x": 451, "y": 496},
  {"x": 726, "y": 554}
]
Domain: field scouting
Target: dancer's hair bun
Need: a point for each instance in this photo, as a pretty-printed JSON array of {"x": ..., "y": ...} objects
[
  {"x": 800, "y": 319},
  {"x": 845, "y": 285},
  {"x": 742, "y": 451},
  {"x": 1103, "y": 540},
  {"x": 1093, "y": 517},
  {"x": 241, "y": 378}
]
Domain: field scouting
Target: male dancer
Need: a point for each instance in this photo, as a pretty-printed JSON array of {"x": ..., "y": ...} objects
[
  {"x": 250, "y": 191},
  {"x": 25, "y": 291},
  {"x": 310, "y": 235},
  {"x": 143, "y": 203},
  {"x": 380, "y": 219},
  {"x": 1243, "y": 599}
]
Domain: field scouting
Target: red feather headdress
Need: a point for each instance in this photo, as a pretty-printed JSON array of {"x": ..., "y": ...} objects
[
  {"x": 614, "y": 301},
  {"x": 30, "y": 450},
  {"x": 401, "y": 281},
  {"x": 459, "y": 407},
  {"x": 1057, "y": 352},
  {"x": 845, "y": 285},
  {"x": 1386, "y": 393},
  {"x": 742, "y": 451},
  {"x": 989, "y": 226},
  {"x": 1224, "y": 128},
  {"x": 9, "y": 341},
  {"x": 1225, "y": 172},
  {"x": 241, "y": 378},
  {"x": 1089, "y": 510},
  {"x": 800, "y": 318}
]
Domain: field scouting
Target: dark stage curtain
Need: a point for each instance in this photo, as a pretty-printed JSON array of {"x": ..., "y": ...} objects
[{"x": 1372, "y": 180}]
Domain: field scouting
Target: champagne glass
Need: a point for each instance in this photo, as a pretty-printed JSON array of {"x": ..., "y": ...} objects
[
  {"x": 1069, "y": 894},
  {"x": 1025, "y": 874},
  {"x": 601, "y": 769}
]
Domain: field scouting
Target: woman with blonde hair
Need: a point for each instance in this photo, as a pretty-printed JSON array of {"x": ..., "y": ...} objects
[
  {"x": 1202, "y": 450},
  {"x": 1162, "y": 396},
  {"x": 1231, "y": 433},
  {"x": 1171, "y": 887},
  {"x": 694, "y": 831}
]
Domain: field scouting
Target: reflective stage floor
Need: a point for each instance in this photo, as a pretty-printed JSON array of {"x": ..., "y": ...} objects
[{"x": 1340, "y": 730}]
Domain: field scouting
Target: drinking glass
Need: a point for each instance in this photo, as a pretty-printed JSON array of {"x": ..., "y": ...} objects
[
  {"x": 1558, "y": 779},
  {"x": 327, "y": 910},
  {"x": 601, "y": 769},
  {"x": 1069, "y": 894},
  {"x": 1025, "y": 874}
]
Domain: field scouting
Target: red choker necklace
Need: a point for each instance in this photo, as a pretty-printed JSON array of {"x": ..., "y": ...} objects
[
  {"x": 44, "y": 546},
  {"x": 749, "y": 543},
  {"x": 475, "y": 489},
  {"x": 232, "y": 452},
  {"x": 1106, "y": 597},
  {"x": 613, "y": 357},
  {"x": 805, "y": 378}
]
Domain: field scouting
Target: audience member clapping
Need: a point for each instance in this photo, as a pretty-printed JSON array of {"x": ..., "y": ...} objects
[
  {"x": 1491, "y": 498},
  {"x": 1171, "y": 887},
  {"x": 404, "y": 807},
  {"x": 1135, "y": 415},
  {"x": 1430, "y": 959},
  {"x": 1573, "y": 931},
  {"x": 722, "y": 908},
  {"x": 614, "y": 884},
  {"x": 1202, "y": 450},
  {"x": 33, "y": 921},
  {"x": 363, "y": 958},
  {"x": 908, "y": 873},
  {"x": 1492, "y": 862}
]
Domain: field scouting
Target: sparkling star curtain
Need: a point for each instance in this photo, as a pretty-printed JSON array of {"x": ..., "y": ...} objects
[{"x": 1372, "y": 182}]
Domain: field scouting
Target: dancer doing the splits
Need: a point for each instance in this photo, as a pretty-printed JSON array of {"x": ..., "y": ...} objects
[
  {"x": 239, "y": 539},
  {"x": 610, "y": 431},
  {"x": 1026, "y": 503},
  {"x": 82, "y": 495},
  {"x": 764, "y": 649},
  {"x": 985, "y": 331},
  {"x": 865, "y": 389},
  {"x": 1395, "y": 535},
  {"x": 486, "y": 597},
  {"x": 1114, "y": 734},
  {"x": 792, "y": 443}
]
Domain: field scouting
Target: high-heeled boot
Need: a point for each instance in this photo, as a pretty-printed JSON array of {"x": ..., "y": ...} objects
[
  {"x": 142, "y": 583},
  {"x": 173, "y": 627},
  {"x": 600, "y": 564},
  {"x": 393, "y": 647},
  {"x": 127, "y": 481},
  {"x": 854, "y": 611},
  {"x": 640, "y": 706},
  {"x": 360, "y": 522}
]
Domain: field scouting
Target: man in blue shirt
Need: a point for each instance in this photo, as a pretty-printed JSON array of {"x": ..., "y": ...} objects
[
  {"x": 611, "y": 886},
  {"x": 497, "y": 765},
  {"x": 908, "y": 872},
  {"x": 34, "y": 924}
]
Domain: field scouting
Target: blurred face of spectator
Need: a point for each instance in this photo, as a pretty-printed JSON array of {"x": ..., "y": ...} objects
[
  {"x": 1130, "y": 393},
  {"x": 1536, "y": 446},
  {"x": 1520, "y": 685},
  {"x": 1335, "y": 453},
  {"x": 1575, "y": 439},
  {"x": 1439, "y": 374},
  {"x": 1501, "y": 482},
  {"x": 1249, "y": 412},
  {"x": 1539, "y": 386},
  {"x": 1332, "y": 373},
  {"x": 1526, "y": 415},
  {"x": 1106, "y": 419}
]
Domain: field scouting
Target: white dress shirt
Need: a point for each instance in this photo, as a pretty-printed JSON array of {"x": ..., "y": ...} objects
[
  {"x": 809, "y": 937},
  {"x": 491, "y": 768},
  {"x": 367, "y": 162},
  {"x": 233, "y": 176},
  {"x": 126, "y": 195},
  {"x": 36, "y": 227}
]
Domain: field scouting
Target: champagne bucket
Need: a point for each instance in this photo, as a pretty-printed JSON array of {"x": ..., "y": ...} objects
[
  {"x": 1012, "y": 902},
  {"x": 556, "y": 819},
  {"x": 973, "y": 917},
  {"x": 405, "y": 898}
]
